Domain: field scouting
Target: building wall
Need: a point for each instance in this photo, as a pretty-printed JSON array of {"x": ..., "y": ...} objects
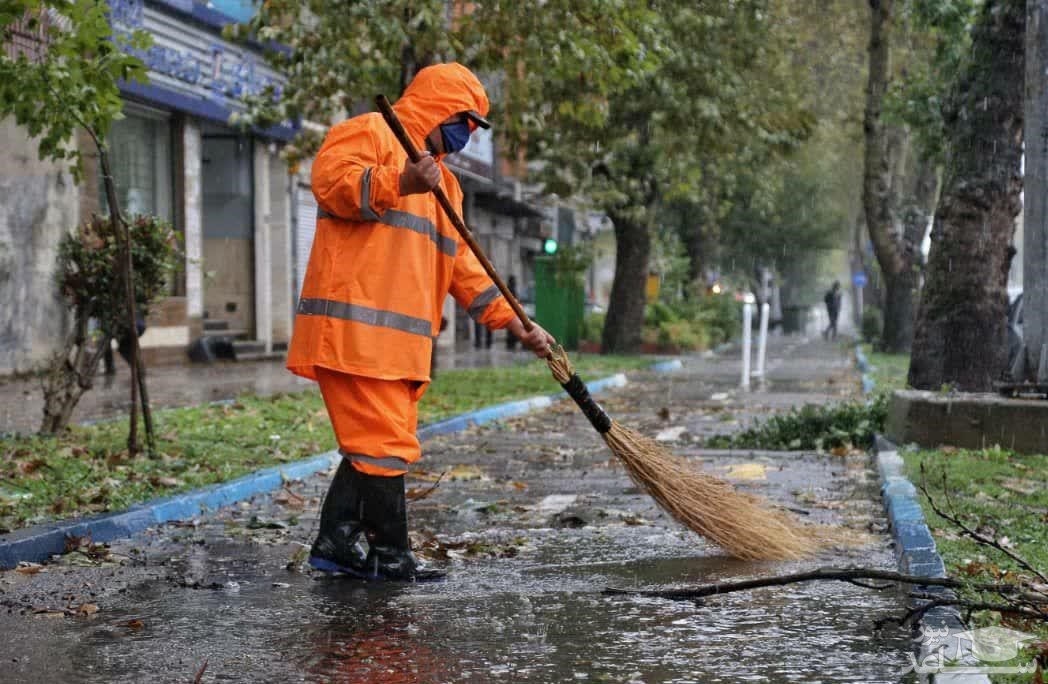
[{"x": 40, "y": 204}]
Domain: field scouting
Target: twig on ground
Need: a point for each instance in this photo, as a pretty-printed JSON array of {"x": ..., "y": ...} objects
[
  {"x": 420, "y": 495},
  {"x": 200, "y": 673}
]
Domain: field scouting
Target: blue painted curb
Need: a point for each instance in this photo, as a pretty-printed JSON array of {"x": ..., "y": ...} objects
[
  {"x": 40, "y": 542},
  {"x": 863, "y": 364},
  {"x": 916, "y": 554}
]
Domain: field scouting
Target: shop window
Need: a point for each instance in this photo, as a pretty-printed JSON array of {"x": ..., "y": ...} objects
[{"x": 140, "y": 157}]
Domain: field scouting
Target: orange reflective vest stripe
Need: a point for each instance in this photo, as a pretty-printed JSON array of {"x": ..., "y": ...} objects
[{"x": 381, "y": 264}]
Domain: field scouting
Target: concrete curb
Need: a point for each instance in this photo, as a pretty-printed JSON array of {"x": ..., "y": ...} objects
[
  {"x": 40, "y": 542},
  {"x": 916, "y": 554}
]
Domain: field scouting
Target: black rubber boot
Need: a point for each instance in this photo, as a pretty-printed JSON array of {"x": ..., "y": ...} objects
[
  {"x": 337, "y": 547},
  {"x": 386, "y": 521}
]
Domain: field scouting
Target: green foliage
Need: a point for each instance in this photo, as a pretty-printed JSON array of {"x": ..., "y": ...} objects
[
  {"x": 933, "y": 40},
  {"x": 86, "y": 469},
  {"x": 88, "y": 275},
  {"x": 571, "y": 263},
  {"x": 684, "y": 335},
  {"x": 74, "y": 82},
  {"x": 722, "y": 314},
  {"x": 657, "y": 313},
  {"x": 815, "y": 427},
  {"x": 872, "y": 324},
  {"x": 592, "y": 327}
]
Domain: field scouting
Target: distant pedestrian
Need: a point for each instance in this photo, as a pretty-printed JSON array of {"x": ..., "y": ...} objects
[{"x": 833, "y": 309}]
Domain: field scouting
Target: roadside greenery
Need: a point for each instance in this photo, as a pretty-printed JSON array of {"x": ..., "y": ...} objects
[
  {"x": 846, "y": 425},
  {"x": 88, "y": 469},
  {"x": 1000, "y": 494}
]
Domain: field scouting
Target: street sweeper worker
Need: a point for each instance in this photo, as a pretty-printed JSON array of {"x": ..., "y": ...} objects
[{"x": 383, "y": 260}]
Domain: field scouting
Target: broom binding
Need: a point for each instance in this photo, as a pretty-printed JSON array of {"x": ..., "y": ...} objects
[{"x": 578, "y": 391}]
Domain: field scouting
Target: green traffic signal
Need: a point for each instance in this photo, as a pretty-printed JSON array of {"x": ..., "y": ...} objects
[{"x": 550, "y": 246}]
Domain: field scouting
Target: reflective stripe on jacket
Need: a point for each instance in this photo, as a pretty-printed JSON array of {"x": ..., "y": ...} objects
[{"x": 381, "y": 264}]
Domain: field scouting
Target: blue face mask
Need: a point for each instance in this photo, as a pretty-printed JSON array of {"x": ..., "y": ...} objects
[{"x": 455, "y": 136}]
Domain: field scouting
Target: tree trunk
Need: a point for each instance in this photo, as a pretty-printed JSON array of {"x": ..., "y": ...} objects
[
  {"x": 70, "y": 375},
  {"x": 1035, "y": 184},
  {"x": 960, "y": 337},
  {"x": 625, "y": 319},
  {"x": 877, "y": 196}
]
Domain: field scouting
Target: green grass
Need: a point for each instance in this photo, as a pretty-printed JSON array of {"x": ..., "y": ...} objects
[
  {"x": 887, "y": 370},
  {"x": 87, "y": 469},
  {"x": 999, "y": 493}
]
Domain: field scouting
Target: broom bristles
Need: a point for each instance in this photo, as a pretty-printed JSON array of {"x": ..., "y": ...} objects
[{"x": 742, "y": 524}]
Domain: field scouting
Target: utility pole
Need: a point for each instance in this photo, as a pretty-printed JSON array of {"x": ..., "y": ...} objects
[{"x": 1035, "y": 193}]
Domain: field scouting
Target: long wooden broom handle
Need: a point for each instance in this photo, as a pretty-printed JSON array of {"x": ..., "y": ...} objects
[{"x": 398, "y": 130}]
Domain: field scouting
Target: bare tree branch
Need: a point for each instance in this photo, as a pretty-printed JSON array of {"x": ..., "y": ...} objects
[{"x": 955, "y": 519}]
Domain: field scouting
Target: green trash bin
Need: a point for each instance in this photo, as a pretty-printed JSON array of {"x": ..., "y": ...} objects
[{"x": 559, "y": 302}]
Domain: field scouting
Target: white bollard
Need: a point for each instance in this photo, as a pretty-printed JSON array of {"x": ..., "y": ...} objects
[
  {"x": 762, "y": 340},
  {"x": 747, "y": 342}
]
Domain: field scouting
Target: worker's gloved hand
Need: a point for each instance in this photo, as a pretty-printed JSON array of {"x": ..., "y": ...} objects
[
  {"x": 421, "y": 177},
  {"x": 537, "y": 340}
]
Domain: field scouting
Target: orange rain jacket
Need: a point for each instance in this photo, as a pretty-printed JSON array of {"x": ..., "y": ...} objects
[{"x": 382, "y": 264}]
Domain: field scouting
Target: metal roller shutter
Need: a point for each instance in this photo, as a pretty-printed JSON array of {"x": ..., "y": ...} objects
[{"x": 305, "y": 227}]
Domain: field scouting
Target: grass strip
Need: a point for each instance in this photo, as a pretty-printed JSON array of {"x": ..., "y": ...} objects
[
  {"x": 87, "y": 470},
  {"x": 889, "y": 371},
  {"x": 999, "y": 493}
]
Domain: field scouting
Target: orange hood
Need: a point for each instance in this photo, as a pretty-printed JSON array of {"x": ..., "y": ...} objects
[{"x": 437, "y": 92}]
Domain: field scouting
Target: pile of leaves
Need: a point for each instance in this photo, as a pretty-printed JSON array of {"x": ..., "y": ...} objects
[{"x": 814, "y": 427}]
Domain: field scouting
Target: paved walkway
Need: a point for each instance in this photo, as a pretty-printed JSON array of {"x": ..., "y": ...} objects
[
  {"x": 533, "y": 519},
  {"x": 21, "y": 401}
]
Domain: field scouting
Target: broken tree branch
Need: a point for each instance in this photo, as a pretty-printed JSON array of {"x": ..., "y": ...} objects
[{"x": 822, "y": 574}]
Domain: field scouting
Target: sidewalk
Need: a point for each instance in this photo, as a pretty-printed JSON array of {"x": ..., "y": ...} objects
[
  {"x": 21, "y": 401},
  {"x": 533, "y": 519}
]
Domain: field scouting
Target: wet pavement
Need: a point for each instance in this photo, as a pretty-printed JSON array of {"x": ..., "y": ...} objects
[
  {"x": 533, "y": 519},
  {"x": 21, "y": 400}
]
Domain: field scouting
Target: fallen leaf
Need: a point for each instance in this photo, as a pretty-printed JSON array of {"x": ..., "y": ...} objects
[
  {"x": 466, "y": 473},
  {"x": 87, "y": 609},
  {"x": 135, "y": 624},
  {"x": 520, "y": 485},
  {"x": 1020, "y": 486},
  {"x": 747, "y": 471},
  {"x": 165, "y": 481},
  {"x": 671, "y": 434},
  {"x": 27, "y": 568},
  {"x": 286, "y": 497}
]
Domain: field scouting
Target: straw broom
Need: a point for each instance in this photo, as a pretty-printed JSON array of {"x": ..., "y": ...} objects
[{"x": 745, "y": 526}]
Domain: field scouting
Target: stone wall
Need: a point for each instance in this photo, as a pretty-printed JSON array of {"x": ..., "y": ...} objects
[{"x": 38, "y": 203}]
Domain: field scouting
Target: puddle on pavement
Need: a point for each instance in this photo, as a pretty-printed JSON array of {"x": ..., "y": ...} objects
[{"x": 539, "y": 618}]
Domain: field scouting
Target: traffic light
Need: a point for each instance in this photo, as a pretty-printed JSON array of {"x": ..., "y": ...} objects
[{"x": 549, "y": 246}]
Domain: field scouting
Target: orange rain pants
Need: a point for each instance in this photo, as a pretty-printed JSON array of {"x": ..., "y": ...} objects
[{"x": 374, "y": 420}]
